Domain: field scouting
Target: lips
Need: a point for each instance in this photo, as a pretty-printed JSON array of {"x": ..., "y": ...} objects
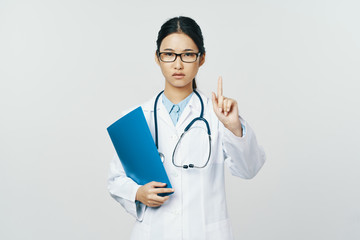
[{"x": 178, "y": 75}]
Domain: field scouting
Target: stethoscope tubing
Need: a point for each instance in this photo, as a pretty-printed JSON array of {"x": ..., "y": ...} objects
[{"x": 201, "y": 118}]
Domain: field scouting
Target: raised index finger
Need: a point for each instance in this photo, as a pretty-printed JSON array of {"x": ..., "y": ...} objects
[{"x": 220, "y": 89}]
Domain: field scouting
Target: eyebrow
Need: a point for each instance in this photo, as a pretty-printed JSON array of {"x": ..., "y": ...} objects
[{"x": 185, "y": 50}]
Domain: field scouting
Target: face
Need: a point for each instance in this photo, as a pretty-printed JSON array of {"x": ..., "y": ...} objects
[{"x": 179, "y": 43}]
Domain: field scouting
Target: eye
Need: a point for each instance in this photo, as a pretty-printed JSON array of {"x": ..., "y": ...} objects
[
  {"x": 168, "y": 54},
  {"x": 189, "y": 54}
]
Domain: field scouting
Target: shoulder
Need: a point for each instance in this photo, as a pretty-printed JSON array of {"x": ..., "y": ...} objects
[
  {"x": 207, "y": 101},
  {"x": 147, "y": 106},
  {"x": 203, "y": 96}
]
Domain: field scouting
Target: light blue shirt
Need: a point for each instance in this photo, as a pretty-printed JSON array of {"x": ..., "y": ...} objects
[{"x": 175, "y": 110}]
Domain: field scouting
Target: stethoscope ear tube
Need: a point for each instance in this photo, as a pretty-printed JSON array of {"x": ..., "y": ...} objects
[
  {"x": 191, "y": 165},
  {"x": 198, "y": 119}
]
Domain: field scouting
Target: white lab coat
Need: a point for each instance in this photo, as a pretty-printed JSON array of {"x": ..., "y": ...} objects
[{"x": 197, "y": 209}]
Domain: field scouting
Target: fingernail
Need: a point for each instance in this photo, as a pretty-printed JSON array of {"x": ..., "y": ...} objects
[{"x": 220, "y": 110}]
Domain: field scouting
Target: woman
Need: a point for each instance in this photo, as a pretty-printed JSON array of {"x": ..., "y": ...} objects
[{"x": 196, "y": 209}]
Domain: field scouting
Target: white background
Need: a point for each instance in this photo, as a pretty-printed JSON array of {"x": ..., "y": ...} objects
[{"x": 68, "y": 68}]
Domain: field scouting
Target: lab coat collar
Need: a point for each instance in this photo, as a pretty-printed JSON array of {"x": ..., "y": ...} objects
[
  {"x": 193, "y": 106},
  {"x": 194, "y": 103}
]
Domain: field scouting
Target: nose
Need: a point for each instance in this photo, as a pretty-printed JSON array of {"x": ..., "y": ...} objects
[{"x": 178, "y": 64}]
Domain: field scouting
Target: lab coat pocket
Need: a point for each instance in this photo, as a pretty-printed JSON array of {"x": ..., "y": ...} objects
[{"x": 219, "y": 230}]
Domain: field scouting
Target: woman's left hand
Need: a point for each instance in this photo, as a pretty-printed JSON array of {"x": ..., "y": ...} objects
[{"x": 226, "y": 109}]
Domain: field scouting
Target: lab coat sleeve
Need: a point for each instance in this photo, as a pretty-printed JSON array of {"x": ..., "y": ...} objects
[
  {"x": 243, "y": 155},
  {"x": 123, "y": 189}
]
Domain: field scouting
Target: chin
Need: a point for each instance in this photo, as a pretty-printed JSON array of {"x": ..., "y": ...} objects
[{"x": 180, "y": 83}]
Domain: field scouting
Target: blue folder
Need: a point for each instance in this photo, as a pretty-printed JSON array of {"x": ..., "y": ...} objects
[{"x": 136, "y": 149}]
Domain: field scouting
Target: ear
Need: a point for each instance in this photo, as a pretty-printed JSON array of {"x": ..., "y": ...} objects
[
  {"x": 202, "y": 59},
  {"x": 157, "y": 58}
]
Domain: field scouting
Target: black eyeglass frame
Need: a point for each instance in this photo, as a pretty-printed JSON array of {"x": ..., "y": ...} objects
[{"x": 176, "y": 55}]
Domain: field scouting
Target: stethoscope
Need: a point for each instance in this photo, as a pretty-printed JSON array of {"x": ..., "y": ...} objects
[{"x": 201, "y": 118}]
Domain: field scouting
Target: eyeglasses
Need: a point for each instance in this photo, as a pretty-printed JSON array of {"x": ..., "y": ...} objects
[{"x": 188, "y": 57}]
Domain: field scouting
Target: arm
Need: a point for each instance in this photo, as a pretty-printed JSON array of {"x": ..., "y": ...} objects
[
  {"x": 243, "y": 155},
  {"x": 241, "y": 152},
  {"x": 124, "y": 189}
]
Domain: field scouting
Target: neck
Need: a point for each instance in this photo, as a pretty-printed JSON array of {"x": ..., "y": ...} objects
[{"x": 175, "y": 94}]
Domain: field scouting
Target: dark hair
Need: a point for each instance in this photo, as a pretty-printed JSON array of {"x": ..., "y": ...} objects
[{"x": 185, "y": 25}]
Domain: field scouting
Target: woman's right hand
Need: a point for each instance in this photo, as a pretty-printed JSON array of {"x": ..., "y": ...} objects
[{"x": 148, "y": 194}]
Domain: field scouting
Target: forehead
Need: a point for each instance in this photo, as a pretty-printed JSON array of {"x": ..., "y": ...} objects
[{"x": 178, "y": 42}]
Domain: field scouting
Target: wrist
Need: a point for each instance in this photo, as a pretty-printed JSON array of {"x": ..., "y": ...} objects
[
  {"x": 235, "y": 128},
  {"x": 137, "y": 195}
]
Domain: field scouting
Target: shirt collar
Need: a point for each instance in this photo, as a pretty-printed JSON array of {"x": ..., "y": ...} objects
[{"x": 181, "y": 105}]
